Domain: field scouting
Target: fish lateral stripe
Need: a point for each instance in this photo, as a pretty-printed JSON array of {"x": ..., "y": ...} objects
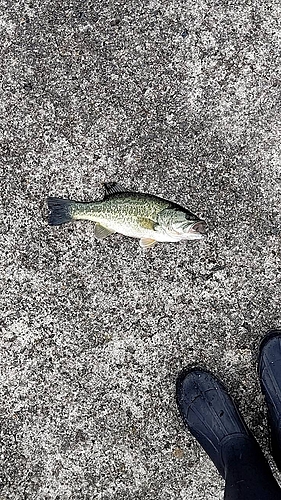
[{"x": 60, "y": 211}]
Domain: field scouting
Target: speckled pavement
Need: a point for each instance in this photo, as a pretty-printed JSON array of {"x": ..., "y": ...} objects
[{"x": 176, "y": 98}]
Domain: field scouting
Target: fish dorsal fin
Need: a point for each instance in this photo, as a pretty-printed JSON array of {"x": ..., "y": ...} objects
[
  {"x": 102, "y": 232},
  {"x": 113, "y": 188},
  {"x": 147, "y": 242}
]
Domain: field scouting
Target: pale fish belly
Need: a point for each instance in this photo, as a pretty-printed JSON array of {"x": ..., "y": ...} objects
[{"x": 133, "y": 230}]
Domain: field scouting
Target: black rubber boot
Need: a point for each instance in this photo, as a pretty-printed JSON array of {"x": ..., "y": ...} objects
[
  {"x": 269, "y": 369},
  {"x": 210, "y": 414},
  {"x": 212, "y": 417}
]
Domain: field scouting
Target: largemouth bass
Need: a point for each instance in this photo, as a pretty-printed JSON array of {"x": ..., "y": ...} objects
[{"x": 137, "y": 215}]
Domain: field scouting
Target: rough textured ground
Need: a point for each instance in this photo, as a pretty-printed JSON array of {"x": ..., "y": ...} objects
[{"x": 178, "y": 98}]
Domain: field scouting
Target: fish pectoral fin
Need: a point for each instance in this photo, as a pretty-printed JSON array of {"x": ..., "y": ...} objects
[
  {"x": 146, "y": 223},
  {"x": 147, "y": 242},
  {"x": 102, "y": 232}
]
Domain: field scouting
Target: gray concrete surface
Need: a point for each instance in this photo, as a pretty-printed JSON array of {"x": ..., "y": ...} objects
[{"x": 178, "y": 98}]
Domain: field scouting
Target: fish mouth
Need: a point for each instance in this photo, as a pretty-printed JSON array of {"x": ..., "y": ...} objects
[{"x": 198, "y": 230}]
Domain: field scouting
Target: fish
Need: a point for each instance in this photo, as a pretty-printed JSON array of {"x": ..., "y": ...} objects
[{"x": 144, "y": 216}]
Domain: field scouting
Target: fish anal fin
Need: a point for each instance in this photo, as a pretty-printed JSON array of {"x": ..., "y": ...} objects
[
  {"x": 102, "y": 232},
  {"x": 147, "y": 242}
]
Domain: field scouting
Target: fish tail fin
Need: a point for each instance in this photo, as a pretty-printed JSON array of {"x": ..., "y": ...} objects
[{"x": 60, "y": 211}]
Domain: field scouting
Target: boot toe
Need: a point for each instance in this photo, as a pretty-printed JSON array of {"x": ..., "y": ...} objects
[{"x": 208, "y": 412}]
